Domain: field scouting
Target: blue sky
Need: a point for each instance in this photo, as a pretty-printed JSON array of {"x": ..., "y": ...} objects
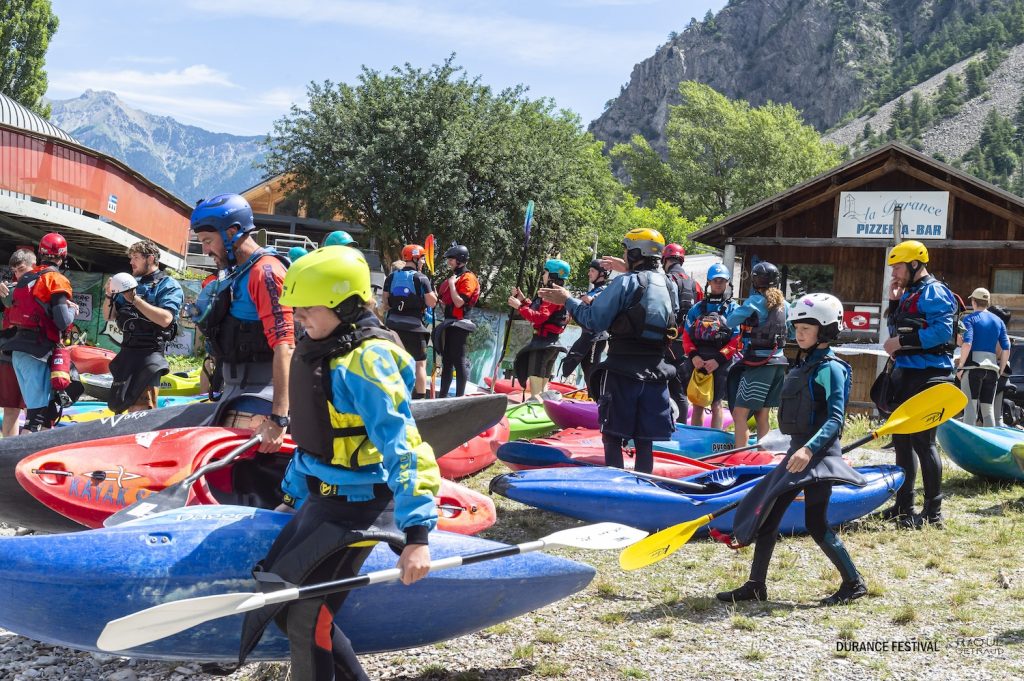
[{"x": 237, "y": 65}]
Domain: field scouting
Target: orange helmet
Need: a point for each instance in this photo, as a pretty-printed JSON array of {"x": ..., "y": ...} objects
[{"x": 412, "y": 253}]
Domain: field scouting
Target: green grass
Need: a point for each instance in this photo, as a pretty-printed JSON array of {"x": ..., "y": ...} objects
[{"x": 920, "y": 583}]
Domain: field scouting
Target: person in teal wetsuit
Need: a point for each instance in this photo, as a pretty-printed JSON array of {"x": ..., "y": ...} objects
[
  {"x": 812, "y": 413},
  {"x": 360, "y": 469}
]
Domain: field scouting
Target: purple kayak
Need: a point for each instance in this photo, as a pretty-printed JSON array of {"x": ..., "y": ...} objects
[{"x": 569, "y": 413}]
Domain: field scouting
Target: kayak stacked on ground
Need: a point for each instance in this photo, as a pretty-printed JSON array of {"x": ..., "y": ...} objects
[
  {"x": 85, "y": 412},
  {"x": 570, "y": 413},
  {"x": 517, "y": 393},
  {"x": 475, "y": 455},
  {"x": 444, "y": 424},
  {"x": 608, "y": 494},
  {"x": 528, "y": 420},
  {"x": 89, "y": 481},
  {"x": 985, "y": 452},
  {"x": 89, "y": 359},
  {"x": 583, "y": 447},
  {"x": 201, "y": 551},
  {"x": 181, "y": 383}
]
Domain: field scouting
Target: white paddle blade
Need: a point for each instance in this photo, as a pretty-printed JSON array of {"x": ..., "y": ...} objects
[
  {"x": 167, "y": 619},
  {"x": 599, "y": 536}
]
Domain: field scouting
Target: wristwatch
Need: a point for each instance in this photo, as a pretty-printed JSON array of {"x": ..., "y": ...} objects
[{"x": 280, "y": 421}]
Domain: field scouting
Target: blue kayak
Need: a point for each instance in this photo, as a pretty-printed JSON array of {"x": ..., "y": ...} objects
[
  {"x": 697, "y": 442},
  {"x": 985, "y": 452},
  {"x": 62, "y": 589},
  {"x": 608, "y": 494}
]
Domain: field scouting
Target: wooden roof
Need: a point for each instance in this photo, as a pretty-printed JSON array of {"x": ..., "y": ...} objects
[{"x": 888, "y": 159}]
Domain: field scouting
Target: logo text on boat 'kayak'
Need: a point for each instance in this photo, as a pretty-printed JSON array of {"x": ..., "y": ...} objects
[
  {"x": 720, "y": 446},
  {"x": 935, "y": 416},
  {"x": 104, "y": 492}
]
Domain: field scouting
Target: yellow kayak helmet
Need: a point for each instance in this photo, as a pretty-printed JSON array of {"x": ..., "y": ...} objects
[
  {"x": 328, "y": 276},
  {"x": 648, "y": 241},
  {"x": 908, "y": 251}
]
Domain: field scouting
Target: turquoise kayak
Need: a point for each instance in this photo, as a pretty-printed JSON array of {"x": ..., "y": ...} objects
[{"x": 985, "y": 452}]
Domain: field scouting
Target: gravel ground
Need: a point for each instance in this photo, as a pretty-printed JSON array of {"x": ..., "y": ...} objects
[{"x": 655, "y": 624}]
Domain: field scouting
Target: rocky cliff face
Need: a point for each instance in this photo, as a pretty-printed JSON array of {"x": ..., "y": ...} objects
[
  {"x": 822, "y": 56},
  {"x": 188, "y": 161}
]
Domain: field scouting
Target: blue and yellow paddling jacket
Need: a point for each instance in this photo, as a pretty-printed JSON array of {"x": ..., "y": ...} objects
[{"x": 364, "y": 434}]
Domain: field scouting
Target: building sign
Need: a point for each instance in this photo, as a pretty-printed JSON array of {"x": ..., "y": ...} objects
[
  {"x": 869, "y": 215},
  {"x": 112, "y": 203}
]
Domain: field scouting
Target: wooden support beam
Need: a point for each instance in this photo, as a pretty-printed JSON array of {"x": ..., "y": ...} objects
[
  {"x": 796, "y": 242},
  {"x": 962, "y": 193},
  {"x": 819, "y": 198}
]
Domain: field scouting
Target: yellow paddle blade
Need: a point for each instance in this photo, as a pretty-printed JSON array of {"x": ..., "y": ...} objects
[
  {"x": 660, "y": 545},
  {"x": 925, "y": 410}
]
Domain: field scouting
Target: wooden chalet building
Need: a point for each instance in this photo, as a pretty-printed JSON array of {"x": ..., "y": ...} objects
[{"x": 833, "y": 232}]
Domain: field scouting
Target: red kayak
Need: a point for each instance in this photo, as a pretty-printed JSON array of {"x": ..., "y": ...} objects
[
  {"x": 510, "y": 386},
  {"x": 89, "y": 481},
  {"x": 475, "y": 455},
  {"x": 91, "y": 360},
  {"x": 584, "y": 446}
]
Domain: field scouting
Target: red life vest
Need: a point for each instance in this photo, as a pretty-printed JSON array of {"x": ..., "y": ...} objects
[{"x": 27, "y": 311}]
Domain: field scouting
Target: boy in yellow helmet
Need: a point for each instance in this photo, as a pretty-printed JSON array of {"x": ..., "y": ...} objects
[
  {"x": 639, "y": 312},
  {"x": 920, "y": 318},
  {"x": 359, "y": 465}
]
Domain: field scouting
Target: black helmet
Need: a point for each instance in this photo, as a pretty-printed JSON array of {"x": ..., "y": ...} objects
[
  {"x": 459, "y": 252},
  {"x": 765, "y": 275},
  {"x": 595, "y": 264}
]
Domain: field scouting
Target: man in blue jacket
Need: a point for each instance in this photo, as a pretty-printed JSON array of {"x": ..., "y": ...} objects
[
  {"x": 638, "y": 310},
  {"x": 984, "y": 355},
  {"x": 920, "y": 318}
]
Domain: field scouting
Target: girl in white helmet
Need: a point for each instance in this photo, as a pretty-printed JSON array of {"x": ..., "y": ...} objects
[{"x": 812, "y": 412}]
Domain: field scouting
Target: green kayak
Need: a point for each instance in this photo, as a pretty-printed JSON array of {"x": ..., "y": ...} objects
[{"x": 528, "y": 420}]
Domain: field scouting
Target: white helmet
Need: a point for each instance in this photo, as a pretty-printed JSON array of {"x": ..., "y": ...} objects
[
  {"x": 822, "y": 309},
  {"x": 121, "y": 282}
]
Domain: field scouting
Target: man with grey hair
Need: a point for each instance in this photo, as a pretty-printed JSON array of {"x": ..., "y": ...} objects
[
  {"x": 984, "y": 354},
  {"x": 11, "y": 400}
]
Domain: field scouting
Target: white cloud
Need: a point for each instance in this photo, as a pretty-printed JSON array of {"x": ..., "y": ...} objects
[
  {"x": 531, "y": 41},
  {"x": 190, "y": 76}
]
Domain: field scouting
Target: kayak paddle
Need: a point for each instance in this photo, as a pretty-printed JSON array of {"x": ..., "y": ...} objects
[
  {"x": 925, "y": 410},
  {"x": 544, "y": 456},
  {"x": 171, "y": 618},
  {"x": 176, "y": 496}
]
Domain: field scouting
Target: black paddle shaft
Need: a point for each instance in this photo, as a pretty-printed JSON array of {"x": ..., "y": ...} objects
[{"x": 316, "y": 590}]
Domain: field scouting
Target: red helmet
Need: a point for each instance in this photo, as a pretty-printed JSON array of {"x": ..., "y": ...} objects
[
  {"x": 673, "y": 251},
  {"x": 412, "y": 252},
  {"x": 53, "y": 245}
]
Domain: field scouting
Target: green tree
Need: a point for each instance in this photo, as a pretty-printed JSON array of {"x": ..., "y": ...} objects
[
  {"x": 411, "y": 152},
  {"x": 950, "y": 96},
  {"x": 723, "y": 155},
  {"x": 26, "y": 27},
  {"x": 976, "y": 83}
]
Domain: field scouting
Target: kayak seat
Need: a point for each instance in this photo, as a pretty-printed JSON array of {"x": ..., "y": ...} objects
[{"x": 255, "y": 482}]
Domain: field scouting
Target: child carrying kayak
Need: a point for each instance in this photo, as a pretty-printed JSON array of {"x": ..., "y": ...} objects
[
  {"x": 812, "y": 412},
  {"x": 359, "y": 468}
]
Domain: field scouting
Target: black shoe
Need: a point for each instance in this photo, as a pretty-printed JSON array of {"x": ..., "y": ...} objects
[
  {"x": 931, "y": 514},
  {"x": 848, "y": 591},
  {"x": 750, "y": 591},
  {"x": 897, "y": 512}
]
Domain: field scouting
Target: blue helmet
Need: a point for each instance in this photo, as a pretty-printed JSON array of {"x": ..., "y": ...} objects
[
  {"x": 296, "y": 252},
  {"x": 718, "y": 271},
  {"x": 558, "y": 268},
  {"x": 339, "y": 238},
  {"x": 220, "y": 214}
]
